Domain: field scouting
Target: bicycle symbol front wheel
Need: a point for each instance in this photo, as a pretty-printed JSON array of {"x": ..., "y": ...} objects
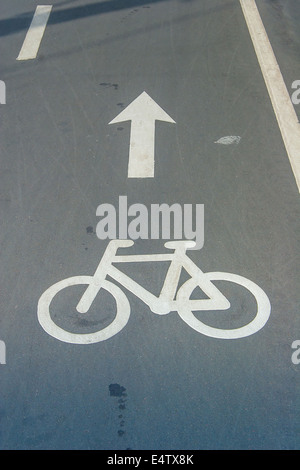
[
  {"x": 47, "y": 323},
  {"x": 258, "y": 322}
]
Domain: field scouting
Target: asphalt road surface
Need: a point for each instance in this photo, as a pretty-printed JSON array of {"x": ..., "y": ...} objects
[{"x": 154, "y": 381}]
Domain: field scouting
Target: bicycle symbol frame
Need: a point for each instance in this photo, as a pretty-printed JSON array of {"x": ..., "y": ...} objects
[{"x": 167, "y": 301}]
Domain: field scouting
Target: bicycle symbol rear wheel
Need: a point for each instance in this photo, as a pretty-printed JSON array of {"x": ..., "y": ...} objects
[
  {"x": 47, "y": 323},
  {"x": 259, "y": 321}
]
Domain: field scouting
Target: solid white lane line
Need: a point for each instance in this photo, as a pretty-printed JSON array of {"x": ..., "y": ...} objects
[
  {"x": 285, "y": 113},
  {"x": 35, "y": 33}
]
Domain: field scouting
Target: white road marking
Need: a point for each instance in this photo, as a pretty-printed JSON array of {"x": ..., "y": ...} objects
[
  {"x": 142, "y": 112},
  {"x": 285, "y": 113},
  {"x": 167, "y": 301},
  {"x": 119, "y": 322},
  {"x": 35, "y": 33},
  {"x": 229, "y": 140}
]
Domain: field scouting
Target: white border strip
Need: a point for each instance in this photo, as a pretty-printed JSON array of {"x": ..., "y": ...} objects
[
  {"x": 35, "y": 33},
  {"x": 280, "y": 98}
]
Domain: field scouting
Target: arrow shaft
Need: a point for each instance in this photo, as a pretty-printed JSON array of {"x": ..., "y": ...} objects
[{"x": 141, "y": 150}]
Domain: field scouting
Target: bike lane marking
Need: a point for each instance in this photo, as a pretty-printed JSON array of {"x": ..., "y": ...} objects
[
  {"x": 143, "y": 112},
  {"x": 35, "y": 33},
  {"x": 167, "y": 301},
  {"x": 284, "y": 110}
]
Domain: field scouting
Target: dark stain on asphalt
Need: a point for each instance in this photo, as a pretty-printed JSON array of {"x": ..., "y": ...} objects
[
  {"x": 110, "y": 85},
  {"x": 90, "y": 230},
  {"x": 118, "y": 391}
]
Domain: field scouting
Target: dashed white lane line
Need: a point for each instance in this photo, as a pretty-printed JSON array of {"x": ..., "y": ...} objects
[
  {"x": 35, "y": 33},
  {"x": 285, "y": 113}
]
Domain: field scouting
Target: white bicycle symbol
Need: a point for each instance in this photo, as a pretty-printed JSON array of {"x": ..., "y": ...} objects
[{"x": 161, "y": 305}]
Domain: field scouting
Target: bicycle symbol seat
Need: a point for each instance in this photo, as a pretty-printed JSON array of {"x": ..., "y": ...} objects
[{"x": 167, "y": 301}]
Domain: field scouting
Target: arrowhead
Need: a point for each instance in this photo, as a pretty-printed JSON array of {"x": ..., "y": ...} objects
[{"x": 143, "y": 108}]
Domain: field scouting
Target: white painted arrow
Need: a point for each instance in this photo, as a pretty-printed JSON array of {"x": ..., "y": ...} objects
[{"x": 142, "y": 112}]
